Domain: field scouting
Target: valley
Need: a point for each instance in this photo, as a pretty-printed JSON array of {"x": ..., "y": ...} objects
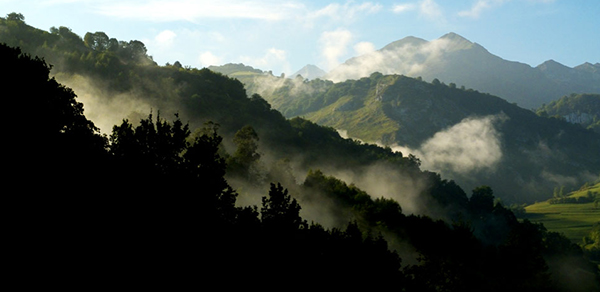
[{"x": 421, "y": 178}]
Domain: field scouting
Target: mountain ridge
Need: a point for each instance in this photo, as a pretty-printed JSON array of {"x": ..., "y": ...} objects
[{"x": 455, "y": 59}]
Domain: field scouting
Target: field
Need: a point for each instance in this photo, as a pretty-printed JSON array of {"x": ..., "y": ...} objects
[{"x": 573, "y": 220}]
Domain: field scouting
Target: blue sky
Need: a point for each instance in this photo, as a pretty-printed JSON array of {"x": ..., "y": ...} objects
[{"x": 285, "y": 35}]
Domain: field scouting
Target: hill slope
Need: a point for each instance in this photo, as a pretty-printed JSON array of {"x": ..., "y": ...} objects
[
  {"x": 574, "y": 220},
  {"x": 583, "y": 109},
  {"x": 464, "y": 134},
  {"x": 168, "y": 185}
]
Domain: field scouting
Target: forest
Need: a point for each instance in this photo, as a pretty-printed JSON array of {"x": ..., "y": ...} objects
[{"x": 157, "y": 201}]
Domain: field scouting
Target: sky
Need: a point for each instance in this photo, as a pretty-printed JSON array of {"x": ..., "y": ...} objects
[{"x": 284, "y": 35}]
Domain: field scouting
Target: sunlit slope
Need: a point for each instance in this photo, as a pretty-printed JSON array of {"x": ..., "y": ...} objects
[
  {"x": 472, "y": 137},
  {"x": 573, "y": 220}
]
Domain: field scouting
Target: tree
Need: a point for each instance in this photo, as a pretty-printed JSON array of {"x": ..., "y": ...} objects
[
  {"x": 57, "y": 141},
  {"x": 137, "y": 50},
  {"x": 281, "y": 212},
  {"x": 246, "y": 156},
  {"x": 98, "y": 41},
  {"x": 15, "y": 17}
]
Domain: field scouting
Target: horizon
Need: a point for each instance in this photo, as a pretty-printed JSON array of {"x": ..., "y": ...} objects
[{"x": 283, "y": 37}]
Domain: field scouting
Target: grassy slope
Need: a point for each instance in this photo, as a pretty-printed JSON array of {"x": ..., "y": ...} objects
[
  {"x": 573, "y": 220},
  {"x": 368, "y": 121}
]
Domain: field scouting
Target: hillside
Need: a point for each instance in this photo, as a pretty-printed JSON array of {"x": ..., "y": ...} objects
[
  {"x": 454, "y": 59},
  {"x": 161, "y": 199},
  {"x": 573, "y": 219},
  {"x": 466, "y": 135},
  {"x": 583, "y": 109}
]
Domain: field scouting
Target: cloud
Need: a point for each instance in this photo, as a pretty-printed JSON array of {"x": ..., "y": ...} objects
[
  {"x": 479, "y": 7},
  {"x": 165, "y": 38},
  {"x": 334, "y": 44},
  {"x": 193, "y": 10},
  {"x": 471, "y": 145},
  {"x": 409, "y": 59},
  {"x": 61, "y": 2},
  {"x": 273, "y": 58},
  {"x": 428, "y": 9},
  {"x": 348, "y": 11},
  {"x": 196, "y": 10},
  {"x": 364, "y": 48},
  {"x": 401, "y": 8},
  {"x": 207, "y": 59},
  {"x": 431, "y": 10}
]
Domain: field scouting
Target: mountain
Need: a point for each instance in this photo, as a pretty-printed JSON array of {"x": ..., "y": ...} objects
[
  {"x": 309, "y": 72},
  {"x": 454, "y": 59},
  {"x": 584, "y": 78}
]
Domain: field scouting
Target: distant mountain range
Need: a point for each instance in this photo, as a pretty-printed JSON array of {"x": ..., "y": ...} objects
[
  {"x": 458, "y": 114},
  {"x": 454, "y": 59}
]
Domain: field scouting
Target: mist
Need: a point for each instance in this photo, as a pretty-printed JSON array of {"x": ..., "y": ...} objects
[
  {"x": 103, "y": 108},
  {"x": 474, "y": 144},
  {"x": 411, "y": 59}
]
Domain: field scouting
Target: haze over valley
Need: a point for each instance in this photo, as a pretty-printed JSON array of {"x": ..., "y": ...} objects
[{"x": 425, "y": 162}]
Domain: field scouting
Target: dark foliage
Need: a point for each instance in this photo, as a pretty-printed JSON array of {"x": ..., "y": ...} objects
[{"x": 150, "y": 204}]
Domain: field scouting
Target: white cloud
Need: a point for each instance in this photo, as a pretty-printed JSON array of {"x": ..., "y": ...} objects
[
  {"x": 364, "y": 48},
  {"x": 272, "y": 59},
  {"x": 471, "y": 145},
  {"x": 479, "y": 7},
  {"x": 334, "y": 45},
  {"x": 165, "y": 38},
  {"x": 192, "y": 10},
  {"x": 428, "y": 9},
  {"x": 431, "y": 10},
  {"x": 409, "y": 59},
  {"x": 347, "y": 11},
  {"x": 61, "y": 2},
  {"x": 207, "y": 59},
  {"x": 400, "y": 8}
]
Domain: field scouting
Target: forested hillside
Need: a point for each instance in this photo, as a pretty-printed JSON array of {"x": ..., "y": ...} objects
[
  {"x": 466, "y": 135},
  {"x": 175, "y": 216},
  {"x": 222, "y": 191},
  {"x": 583, "y": 109}
]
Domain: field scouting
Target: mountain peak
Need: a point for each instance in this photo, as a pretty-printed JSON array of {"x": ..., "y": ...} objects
[
  {"x": 455, "y": 37},
  {"x": 589, "y": 67},
  {"x": 552, "y": 65},
  {"x": 409, "y": 40},
  {"x": 457, "y": 42},
  {"x": 309, "y": 72}
]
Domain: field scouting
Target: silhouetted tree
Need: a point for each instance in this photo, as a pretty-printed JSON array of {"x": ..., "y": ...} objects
[{"x": 281, "y": 212}]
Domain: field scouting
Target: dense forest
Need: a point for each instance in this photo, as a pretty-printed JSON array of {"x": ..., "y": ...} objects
[{"x": 157, "y": 201}]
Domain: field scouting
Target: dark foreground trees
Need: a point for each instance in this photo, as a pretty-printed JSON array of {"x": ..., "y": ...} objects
[{"x": 150, "y": 206}]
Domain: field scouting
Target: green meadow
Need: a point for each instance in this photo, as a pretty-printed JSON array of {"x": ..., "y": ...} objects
[{"x": 573, "y": 220}]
